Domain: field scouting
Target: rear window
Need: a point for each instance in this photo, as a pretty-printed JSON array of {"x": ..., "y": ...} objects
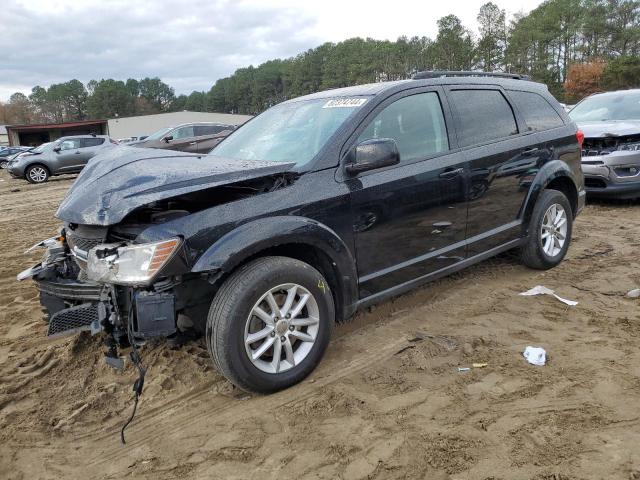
[
  {"x": 91, "y": 142},
  {"x": 536, "y": 110},
  {"x": 483, "y": 116}
]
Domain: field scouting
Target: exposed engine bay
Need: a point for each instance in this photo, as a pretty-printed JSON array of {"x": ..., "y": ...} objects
[
  {"x": 598, "y": 146},
  {"x": 75, "y": 300}
]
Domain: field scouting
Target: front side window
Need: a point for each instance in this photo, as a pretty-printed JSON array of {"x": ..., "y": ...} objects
[
  {"x": 538, "y": 114},
  {"x": 289, "y": 132},
  {"x": 484, "y": 116},
  {"x": 182, "y": 132},
  {"x": 70, "y": 144},
  {"x": 608, "y": 106},
  {"x": 415, "y": 122}
]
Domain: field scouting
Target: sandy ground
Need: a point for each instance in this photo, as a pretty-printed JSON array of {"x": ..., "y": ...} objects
[{"x": 387, "y": 400}]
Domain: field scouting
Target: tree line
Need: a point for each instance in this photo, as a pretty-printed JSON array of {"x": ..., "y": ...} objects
[{"x": 556, "y": 40}]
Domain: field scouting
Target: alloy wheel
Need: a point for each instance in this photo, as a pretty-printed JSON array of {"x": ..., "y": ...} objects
[
  {"x": 554, "y": 230},
  {"x": 37, "y": 174},
  {"x": 282, "y": 328}
]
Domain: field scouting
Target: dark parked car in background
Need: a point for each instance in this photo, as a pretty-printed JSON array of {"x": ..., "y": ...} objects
[
  {"x": 189, "y": 137},
  {"x": 65, "y": 155},
  {"x": 7, "y": 153},
  {"x": 317, "y": 207},
  {"x": 611, "y": 149}
]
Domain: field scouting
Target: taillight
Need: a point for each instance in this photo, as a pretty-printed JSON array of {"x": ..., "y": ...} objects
[{"x": 580, "y": 137}]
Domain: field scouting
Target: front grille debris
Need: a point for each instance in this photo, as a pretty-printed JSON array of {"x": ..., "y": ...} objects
[{"x": 74, "y": 319}]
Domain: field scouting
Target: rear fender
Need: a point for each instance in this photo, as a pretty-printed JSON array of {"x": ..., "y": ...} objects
[{"x": 549, "y": 172}]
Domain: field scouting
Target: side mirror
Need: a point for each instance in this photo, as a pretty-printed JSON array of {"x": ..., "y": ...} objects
[
  {"x": 168, "y": 138},
  {"x": 57, "y": 149},
  {"x": 372, "y": 154}
]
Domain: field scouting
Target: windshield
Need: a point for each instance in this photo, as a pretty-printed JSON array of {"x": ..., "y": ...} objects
[
  {"x": 40, "y": 148},
  {"x": 159, "y": 134},
  {"x": 616, "y": 106},
  {"x": 289, "y": 132}
]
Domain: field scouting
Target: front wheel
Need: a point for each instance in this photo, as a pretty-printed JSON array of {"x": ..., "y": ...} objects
[
  {"x": 270, "y": 323},
  {"x": 549, "y": 231},
  {"x": 37, "y": 174}
]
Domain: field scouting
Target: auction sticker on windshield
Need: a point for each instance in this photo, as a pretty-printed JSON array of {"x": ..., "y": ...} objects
[{"x": 345, "y": 102}]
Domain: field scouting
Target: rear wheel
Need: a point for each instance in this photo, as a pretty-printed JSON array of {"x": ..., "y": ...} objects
[
  {"x": 37, "y": 174},
  {"x": 549, "y": 231},
  {"x": 270, "y": 323}
]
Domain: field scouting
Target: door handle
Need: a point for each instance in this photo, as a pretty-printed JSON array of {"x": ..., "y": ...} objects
[
  {"x": 192, "y": 143},
  {"x": 78, "y": 152},
  {"x": 453, "y": 173}
]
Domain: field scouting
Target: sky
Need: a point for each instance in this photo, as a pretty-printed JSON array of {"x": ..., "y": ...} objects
[{"x": 190, "y": 44}]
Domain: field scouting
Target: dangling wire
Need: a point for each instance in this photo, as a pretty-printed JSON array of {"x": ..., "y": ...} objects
[{"x": 135, "y": 358}]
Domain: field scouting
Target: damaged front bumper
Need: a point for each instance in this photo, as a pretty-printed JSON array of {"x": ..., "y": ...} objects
[
  {"x": 73, "y": 303},
  {"x": 614, "y": 175}
]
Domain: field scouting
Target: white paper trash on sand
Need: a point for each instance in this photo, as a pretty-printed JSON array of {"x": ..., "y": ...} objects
[
  {"x": 535, "y": 355},
  {"x": 540, "y": 290}
]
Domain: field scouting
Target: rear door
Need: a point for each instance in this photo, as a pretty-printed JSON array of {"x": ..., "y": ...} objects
[
  {"x": 501, "y": 153},
  {"x": 409, "y": 219},
  {"x": 184, "y": 139},
  {"x": 208, "y": 136},
  {"x": 90, "y": 148}
]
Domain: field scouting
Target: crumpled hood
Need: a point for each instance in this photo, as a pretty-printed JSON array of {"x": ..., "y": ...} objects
[
  {"x": 116, "y": 182},
  {"x": 609, "y": 128}
]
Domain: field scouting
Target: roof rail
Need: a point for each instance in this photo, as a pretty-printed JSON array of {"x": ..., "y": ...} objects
[{"x": 453, "y": 73}]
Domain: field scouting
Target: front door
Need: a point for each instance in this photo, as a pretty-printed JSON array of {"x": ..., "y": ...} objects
[
  {"x": 184, "y": 139},
  {"x": 409, "y": 219},
  {"x": 69, "y": 156}
]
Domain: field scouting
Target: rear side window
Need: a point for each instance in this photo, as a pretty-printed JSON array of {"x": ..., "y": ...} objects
[
  {"x": 200, "y": 130},
  {"x": 415, "y": 122},
  {"x": 91, "y": 142},
  {"x": 536, "y": 110},
  {"x": 484, "y": 115}
]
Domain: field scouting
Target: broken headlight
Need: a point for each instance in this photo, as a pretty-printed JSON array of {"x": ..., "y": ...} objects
[
  {"x": 630, "y": 147},
  {"x": 129, "y": 264}
]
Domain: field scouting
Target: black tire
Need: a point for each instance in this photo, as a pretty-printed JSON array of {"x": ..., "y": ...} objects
[
  {"x": 230, "y": 310},
  {"x": 533, "y": 254},
  {"x": 36, "y": 179},
  {"x": 4, "y": 163}
]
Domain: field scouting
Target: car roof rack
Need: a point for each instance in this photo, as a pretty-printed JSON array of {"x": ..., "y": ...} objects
[{"x": 453, "y": 73}]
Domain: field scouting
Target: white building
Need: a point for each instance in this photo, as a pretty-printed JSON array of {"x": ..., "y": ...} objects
[
  {"x": 4, "y": 136},
  {"x": 147, "y": 124}
]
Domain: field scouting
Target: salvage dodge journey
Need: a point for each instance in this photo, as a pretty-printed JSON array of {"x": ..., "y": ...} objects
[{"x": 319, "y": 206}]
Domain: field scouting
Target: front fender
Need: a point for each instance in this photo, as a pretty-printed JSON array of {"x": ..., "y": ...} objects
[
  {"x": 549, "y": 172},
  {"x": 253, "y": 237}
]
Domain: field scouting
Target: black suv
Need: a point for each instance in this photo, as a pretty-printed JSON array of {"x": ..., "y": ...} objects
[{"x": 317, "y": 207}]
